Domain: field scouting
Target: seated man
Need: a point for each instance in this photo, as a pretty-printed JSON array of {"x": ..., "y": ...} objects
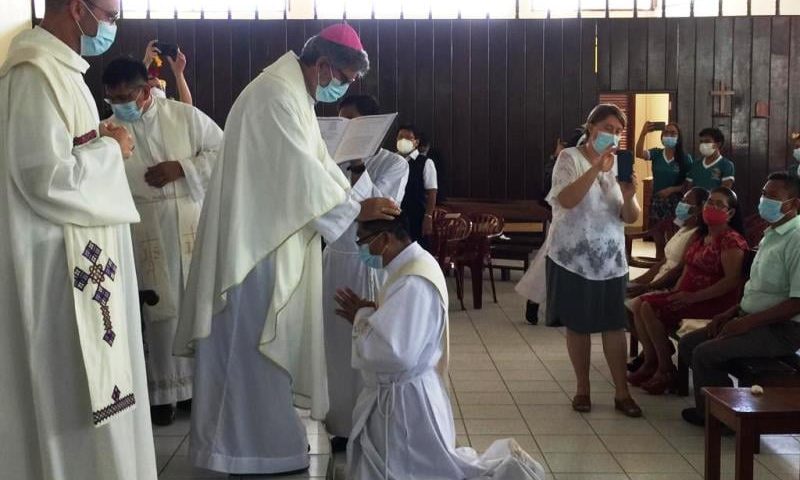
[
  {"x": 403, "y": 422},
  {"x": 767, "y": 321}
]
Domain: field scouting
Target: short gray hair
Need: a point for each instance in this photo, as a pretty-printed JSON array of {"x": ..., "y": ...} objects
[{"x": 340, "y": 56}]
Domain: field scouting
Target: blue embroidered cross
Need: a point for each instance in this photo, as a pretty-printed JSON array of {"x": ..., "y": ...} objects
[{"x": 97, "y": 274}]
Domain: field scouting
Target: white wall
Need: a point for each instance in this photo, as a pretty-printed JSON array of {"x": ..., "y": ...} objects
[
  {"x": 15, "y": 16},
  {"x": 653, "y": 107}
]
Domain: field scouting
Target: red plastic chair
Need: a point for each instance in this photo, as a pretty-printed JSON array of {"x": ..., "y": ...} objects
[{"x": 476, "y": 252}]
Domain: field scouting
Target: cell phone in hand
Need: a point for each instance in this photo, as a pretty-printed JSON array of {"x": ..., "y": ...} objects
[
  {"x": 659, "y": 126},
  {"x": 624, "y": 165},
  {"x": 167, "y": 49}
]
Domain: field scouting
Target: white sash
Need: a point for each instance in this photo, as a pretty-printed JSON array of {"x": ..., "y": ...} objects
[{"x": 432, "y": 273}]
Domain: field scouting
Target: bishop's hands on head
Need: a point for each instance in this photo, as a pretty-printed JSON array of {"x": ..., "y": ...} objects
[{"x": 378, "y": 209}]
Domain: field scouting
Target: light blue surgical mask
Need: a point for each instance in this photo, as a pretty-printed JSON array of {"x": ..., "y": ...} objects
[
  {"x": 683, "y": 211},
  {"x": 333, "y": 91},
  {"x": 604, "y": 140},
  {"x": 770, "y": 210},
  {"x": 100, "y": 43},
  {"x": 370, "y": 260},
  {"x": 796, "y": 154},
  {"x": 669, "y": 142},
  {"x": 127, "y": 112}
]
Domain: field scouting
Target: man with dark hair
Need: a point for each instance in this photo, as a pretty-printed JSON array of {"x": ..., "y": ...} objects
[
  {"x": 71, "y": 360},
  {"x": 766, "y": 323},
  {"x": 342, "y": 267},
  {"x": 176, "y": 149},
  {"x": 420, "y": 199},
  {"x": 715, "y": 170},
  {"x": 403, "y": 422},
  {"x": 252, "y": 311}
]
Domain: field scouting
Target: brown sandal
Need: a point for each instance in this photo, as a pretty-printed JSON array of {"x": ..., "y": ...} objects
[
  {"x": 582, "y": 403},
  {"x": 628, "y": 406}
]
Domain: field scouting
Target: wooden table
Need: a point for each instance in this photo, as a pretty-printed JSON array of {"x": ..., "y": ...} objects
[{"x": 777, "y": 411}]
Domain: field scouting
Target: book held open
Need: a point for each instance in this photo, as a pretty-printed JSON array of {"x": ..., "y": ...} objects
[{"x": 353, "y": 139}]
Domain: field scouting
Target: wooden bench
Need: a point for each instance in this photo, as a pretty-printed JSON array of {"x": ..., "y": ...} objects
[{"x": 526, "y": 225}]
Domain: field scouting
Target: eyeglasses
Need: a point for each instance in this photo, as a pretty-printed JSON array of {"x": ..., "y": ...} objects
[
  {"x": 343, "y": 78},
  {"x": 368, "y": 239},
  {"x": 111, "y": 16}
]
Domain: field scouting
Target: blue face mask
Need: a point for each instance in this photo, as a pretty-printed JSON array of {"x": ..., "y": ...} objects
[
  {"x": 603, "y": 141},
  {"x": 333, "y": 91},
  {"x": 370, "y": 260},
  {"x": 669, "y": 142},
  {"x": 683, "y": 211},
  {"x": 770, "y": 210},
  {"x": 127, "y": 112},
  {"x": 100, "y": 43}
]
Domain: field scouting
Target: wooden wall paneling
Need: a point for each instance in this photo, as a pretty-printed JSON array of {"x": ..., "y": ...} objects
[
  {"x": 671, "y": 57},
  {"x": 741, "y": 103},
  {"x": 723, "y": 67},
  {"x": 223, "y": 76},
  {"x": 203, "y": 92},
  {"x": 185, "y": 38},
  {"x": 638, "y": 42},
  {"x": 535, "y": 149},
  {"x": 442, "y": 134},
  {"x": 497, "y": 155},
  {"x": 424, "y": 77},
  {"x": 685, "y": 94},
  {"x": 406, "y": 71},
  {"x": 368, "y": 31},
  {"x": 166, "y": 32},
  {"x": 589, "y": 80},
  {"x": 603, "y": 55},
  {"x": 278, "y": 42},
  {"x": 260, "y": 44},
  {"x": 295, "y": 35},
  {"x": 240, "y": 64},
  {"x": 656, "y": 52},
  {"x": 759, "y": 127},
  {"x": 387, "y": 64},
  {"x": 515, "y": 105},
  {"x": 619, "y": 44},
  {"x": 793, "y": 108},
  {"x": 571, "y": 76},
  {"x": 462, "y": 117},
  {"x": 704, "y": 72},
  {"x": 779, "y": 93},
  {"x": 479, "y": 108},
  {"x": 553, "y": 102},
  {"x": 147, "y": 31}
]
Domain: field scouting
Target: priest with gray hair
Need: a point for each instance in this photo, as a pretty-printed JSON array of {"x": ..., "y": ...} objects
[{"x": 252, "y": 312}]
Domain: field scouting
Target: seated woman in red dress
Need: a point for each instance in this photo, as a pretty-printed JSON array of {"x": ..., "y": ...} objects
[{"x": 710, "y": 284}]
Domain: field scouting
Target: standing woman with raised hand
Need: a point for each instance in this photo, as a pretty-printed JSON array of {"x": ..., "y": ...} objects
[
  {"x": 670, "y": 167},
  {"x": 587, "y": 271}
]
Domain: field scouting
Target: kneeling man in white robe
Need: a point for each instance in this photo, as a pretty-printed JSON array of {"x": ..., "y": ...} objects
[
  {"x": 403, "y": 423},
  {"x": 252, "y": 311},
  {"x": 73, "y": 392},
  {"x": 176, "y": 149},
  {"x": 342, "y": 268}
]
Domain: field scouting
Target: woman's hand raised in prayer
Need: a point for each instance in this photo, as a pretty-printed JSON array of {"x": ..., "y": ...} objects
[
  {"x": 378, "y": 209},
  {"x": 350, "y": 303},
  {"x": 165, "y": 172},
  {"x": 121, "y": 135}
]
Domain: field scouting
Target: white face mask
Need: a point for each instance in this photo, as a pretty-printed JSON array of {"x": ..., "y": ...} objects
[
  {"x": 157, "y": 93},
  {"x": 405, "y": 146},
  {"x": 707, "y": 149}
]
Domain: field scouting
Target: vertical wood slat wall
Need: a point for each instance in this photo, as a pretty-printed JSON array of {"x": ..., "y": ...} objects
[{"x": 494, "y": 94}]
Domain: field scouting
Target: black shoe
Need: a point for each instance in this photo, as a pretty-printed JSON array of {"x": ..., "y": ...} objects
[
  {"x": 532, "y": 312},
  {"x": 185, "y": 405},
  {"x": 162, "y": 415},
  {"x": 338, "y": 444},
  {"x": 693, "y": 416},
  {"x": 637, "y": 362}
]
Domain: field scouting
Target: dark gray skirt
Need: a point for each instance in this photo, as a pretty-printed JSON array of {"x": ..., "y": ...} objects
[{"x": 584, "y": 306}]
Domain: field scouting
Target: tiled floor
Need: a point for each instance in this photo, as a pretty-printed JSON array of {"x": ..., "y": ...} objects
[{"x": 512, "y": 379}]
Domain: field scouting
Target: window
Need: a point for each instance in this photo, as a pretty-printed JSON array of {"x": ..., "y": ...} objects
[{"x": 423, "y": 9}]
